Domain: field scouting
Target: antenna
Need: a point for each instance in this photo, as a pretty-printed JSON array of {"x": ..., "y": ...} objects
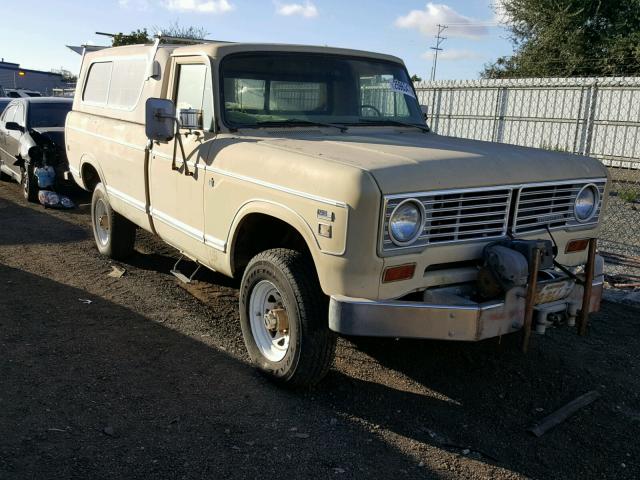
[{"x": 436, "y": 49}]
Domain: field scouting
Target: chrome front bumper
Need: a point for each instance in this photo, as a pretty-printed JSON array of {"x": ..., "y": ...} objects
[{"x": 463, "y": 321}]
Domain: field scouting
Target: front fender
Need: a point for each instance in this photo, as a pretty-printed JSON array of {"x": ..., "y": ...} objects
[{"x": 275, "y": 210}]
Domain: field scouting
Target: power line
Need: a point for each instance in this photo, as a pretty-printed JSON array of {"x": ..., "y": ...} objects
[{"x": 436, "y": 49}]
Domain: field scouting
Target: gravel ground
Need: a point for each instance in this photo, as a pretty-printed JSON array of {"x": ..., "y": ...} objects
[{"x": 133, "y": 377}]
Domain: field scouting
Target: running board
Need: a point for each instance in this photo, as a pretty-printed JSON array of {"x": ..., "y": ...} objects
[{"x": 181, "y": 276}]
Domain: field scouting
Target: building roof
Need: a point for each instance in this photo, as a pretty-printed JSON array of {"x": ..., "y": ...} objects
[{"x": 16, "y": 66}]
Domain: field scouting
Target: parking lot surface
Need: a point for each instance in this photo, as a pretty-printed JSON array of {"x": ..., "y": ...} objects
[{"x": 141, "y": 377}]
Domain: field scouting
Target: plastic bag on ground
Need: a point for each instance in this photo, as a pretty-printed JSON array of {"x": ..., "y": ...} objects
[{"x": 51, "y": 199}]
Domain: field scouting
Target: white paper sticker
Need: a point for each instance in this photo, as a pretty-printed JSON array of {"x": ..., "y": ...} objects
[{"x": 401, "y": 87}]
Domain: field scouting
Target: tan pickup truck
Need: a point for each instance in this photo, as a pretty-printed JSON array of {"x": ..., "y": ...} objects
[{"x": 309, "y": 173}]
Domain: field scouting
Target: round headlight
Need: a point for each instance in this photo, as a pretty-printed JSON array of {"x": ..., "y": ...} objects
[
  {"x": 586, "y": 203},
  {"x": 406, "y": 222}
]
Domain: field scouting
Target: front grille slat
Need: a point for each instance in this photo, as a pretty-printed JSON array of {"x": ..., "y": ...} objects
[
  {"x": 484, "y": 214},
  {"x": 545, "y": 207}
]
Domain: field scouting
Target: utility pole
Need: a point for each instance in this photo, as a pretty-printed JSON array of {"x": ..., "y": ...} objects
[{"x": 436, "y": 49}]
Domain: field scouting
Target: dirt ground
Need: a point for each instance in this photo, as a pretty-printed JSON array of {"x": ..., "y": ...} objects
[{"x": 133, "y": 377}]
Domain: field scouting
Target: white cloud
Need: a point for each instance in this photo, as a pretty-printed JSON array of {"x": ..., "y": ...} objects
[
  {"x": 307, "y": 10},
  {"x": 500, "y": 14},
  {"x": 427, "y": 20},
  {"x": 201, "y": 6},
  {"x": 454, "y": 55}
]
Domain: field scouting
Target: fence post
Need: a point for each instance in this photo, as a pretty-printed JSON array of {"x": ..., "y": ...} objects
[
  {"x": 590, "y": 119},
  {"x": 501, "y": 110}
]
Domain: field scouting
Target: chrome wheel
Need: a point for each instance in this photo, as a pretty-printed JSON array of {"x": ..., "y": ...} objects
[
  {"x": 269, "y": 321},
  {"x": 101, "y": 222}
]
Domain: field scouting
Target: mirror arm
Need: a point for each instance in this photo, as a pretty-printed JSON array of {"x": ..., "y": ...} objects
[{"x": 175, "y": 146}]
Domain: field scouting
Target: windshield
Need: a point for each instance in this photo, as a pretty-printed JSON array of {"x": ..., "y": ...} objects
[
  {"x": 43, "y": 115},
  {"x": 299, "y": 88}
]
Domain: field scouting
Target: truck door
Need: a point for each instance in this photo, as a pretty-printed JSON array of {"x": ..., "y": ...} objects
[
  {"x": 177, "y": 187},
  {"x": 7, "y": 116},
  {"x": 12, "y": 139}
]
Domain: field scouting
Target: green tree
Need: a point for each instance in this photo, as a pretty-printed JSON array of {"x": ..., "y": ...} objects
[
  {"x": 141, "y": 36},
  {"x": 179, "y": 31},
  {"x": 415, "y": 78},
  {"x": 136, "y": 37},
  {"x": 67, "y": 76},
  {"x": 561, "y": 38}
]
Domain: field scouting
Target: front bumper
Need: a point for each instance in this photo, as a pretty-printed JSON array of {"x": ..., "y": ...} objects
[{"x": 458, "y": 319}]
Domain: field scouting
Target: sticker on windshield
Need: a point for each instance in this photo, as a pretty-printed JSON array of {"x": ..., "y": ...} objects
[{"x": 401, "y": 87}]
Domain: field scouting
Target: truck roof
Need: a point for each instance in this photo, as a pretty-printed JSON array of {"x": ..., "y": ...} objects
[{"x": 220, "y": 49}]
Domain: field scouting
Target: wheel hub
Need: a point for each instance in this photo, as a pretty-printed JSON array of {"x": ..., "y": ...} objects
[
  {"x": 103, "y": 221},
  {"x": 269, "y": 321}
]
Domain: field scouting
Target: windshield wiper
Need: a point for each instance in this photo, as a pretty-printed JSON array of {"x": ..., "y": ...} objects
[
  {"x": 293, "y": 121},
  {"x": 397, "y": 123}
]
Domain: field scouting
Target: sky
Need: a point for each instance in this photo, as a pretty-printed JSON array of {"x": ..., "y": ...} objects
[{"x": 404, "y": 28}]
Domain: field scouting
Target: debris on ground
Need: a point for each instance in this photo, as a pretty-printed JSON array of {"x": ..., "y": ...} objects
[
  {"x": 116, "y": 272},
  {"x": 559, "y": 416},
  {"x": 49, "y": 199}
]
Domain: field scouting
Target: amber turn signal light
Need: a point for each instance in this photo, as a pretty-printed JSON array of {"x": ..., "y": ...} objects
[
  {"x": 401, "y": 272},
  {"x": 577, "y": 245}
]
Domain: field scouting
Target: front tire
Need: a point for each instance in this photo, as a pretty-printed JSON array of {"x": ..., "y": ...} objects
[
  {"x": 29, "y": 184},
  {"x": 115, "y": 236},
  {"x": 283, "y": 315}
]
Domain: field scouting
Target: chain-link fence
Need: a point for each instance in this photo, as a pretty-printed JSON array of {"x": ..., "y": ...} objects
[{"x": 599, "y": 117}]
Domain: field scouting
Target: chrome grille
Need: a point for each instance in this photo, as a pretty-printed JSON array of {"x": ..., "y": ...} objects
[
  {"x": 457, "y": 216},
  {"x": 485, "y": 213},
  {"x": 542, "y": 206}
]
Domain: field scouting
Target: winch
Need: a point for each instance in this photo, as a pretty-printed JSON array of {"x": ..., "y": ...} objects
[{"x": 506, "y": 265}]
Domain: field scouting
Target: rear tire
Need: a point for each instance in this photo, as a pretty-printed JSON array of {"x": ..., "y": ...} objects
[
  {"x": 115, "y": 236},
  {"x": 277, "y": 281},
  {"x": 29, "y": 184}
]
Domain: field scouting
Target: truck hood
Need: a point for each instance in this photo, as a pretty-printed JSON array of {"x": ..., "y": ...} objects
[{"x": 402, "y": 161}]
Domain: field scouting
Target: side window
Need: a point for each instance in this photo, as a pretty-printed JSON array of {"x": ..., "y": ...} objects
[
  {"x": 9, "y": 114},
  {"x": 127, "y": 78},
  {"x": 19, "y": 116},
  {"x": 195, "y": 92},
  {"x": 96, "y": 88}
]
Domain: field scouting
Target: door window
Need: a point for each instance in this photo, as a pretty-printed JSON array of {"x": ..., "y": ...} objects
[
  {"x": 194, "y": 92},
  {"x": 19, "y": 116},
  {"x": 9, "y": 114}
]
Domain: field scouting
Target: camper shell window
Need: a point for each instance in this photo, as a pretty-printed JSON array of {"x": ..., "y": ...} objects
[{"x": 115, "y": 84}]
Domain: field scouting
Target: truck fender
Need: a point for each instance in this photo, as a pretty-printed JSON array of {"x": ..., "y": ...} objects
[
  {"x": 88, "y": 159},
  {"x": 278, "y": 211}
]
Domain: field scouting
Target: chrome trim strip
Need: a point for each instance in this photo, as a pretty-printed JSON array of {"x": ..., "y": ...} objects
[
  {"x": 188, "y": 230},
  {"x": 108, "y": 139},
  {"x": 215, "y": 243},
  {"x": 177, "y": 224},
  {"x": 298, "y": 193},
  {"x": 494, "y": 187},
  {"x": 129, "y": 200}
]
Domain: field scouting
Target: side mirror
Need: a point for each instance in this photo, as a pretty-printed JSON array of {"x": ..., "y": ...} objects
[
  {"x": 160, "y": 119},
  {"x": 16, "y": 127},
  {"x": 425, "y": 111}
]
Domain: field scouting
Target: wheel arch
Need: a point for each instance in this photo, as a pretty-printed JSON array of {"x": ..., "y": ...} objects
[
  {"x": 284, "y": 228},
  {"x": 90, "y": 173}
]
